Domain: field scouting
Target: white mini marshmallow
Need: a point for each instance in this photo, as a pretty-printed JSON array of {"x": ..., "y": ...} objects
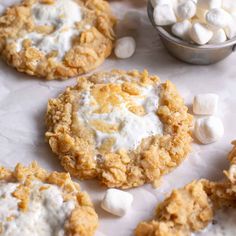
[
  {"x": 230, "y": 30},
  {"x": 209, "y": 4},
  {"x": 117, "y": 202},
  {"x": 218, "y": 18},
  {"x": 125, "y": 47},
  {"x": 164, "y": 15},
  {"x": 205, "y": 104},
  {"x": 186, "y": 10},
  {"x": 200, "y": 34},
  {"x": 208, "y": 129},
  {"x": 132, "y": 19},
  {"x": 219, "y": 36},
  {"x": 229, "y": 5},
  {"x": 181, "y": 29},
  {"x": 161, "y": 2}
]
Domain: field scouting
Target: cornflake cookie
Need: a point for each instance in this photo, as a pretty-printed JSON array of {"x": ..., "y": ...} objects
[
  {"x": 124, "y": 128},
  {"x": 36, "y": 202},
  {"x": 202, "y": 208},
  {"x": 56, "y": 38}
]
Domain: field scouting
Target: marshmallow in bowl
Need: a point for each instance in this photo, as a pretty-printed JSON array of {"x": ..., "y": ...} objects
[
  {"x": 209, "y": 4},
  {"x": 217, "y": 18},
  {"x": 125, "y": 47},
  {"x": 117, "y": 202},
  {"x": 164, "y": 15},
  {"x": 219, "y": 36},
  {"x": 230, "y": 29},
  {"x": 229, "y": 5},
  {"x": 186, "y": 10},
  {"x": 208, "y": 129},
  {"x": 205, "y": 104},
  {"x": 181, "y": 29},
  {"x": 212, "y": 21},
  {"x": 200, "y": 33}
]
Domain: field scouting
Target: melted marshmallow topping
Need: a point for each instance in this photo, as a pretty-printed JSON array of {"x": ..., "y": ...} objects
[
  {"x": 121, "y": 113},
  {"x": 62, "y": 16},
  {"x": 46, "y": 215}
]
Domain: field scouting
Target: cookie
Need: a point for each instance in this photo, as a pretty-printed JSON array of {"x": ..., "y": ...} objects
[
  {"x": 36, "y": 202},
  {"x": 123, "y": 128},
  {"x": 201, "y": 208},
  {"x": 56, "y": 39}
]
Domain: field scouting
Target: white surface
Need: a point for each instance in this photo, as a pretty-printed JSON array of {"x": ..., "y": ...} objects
[
  {"x": 223, "y": 224},
  {"x": 47, "y": 212},
  {"x": 23, "y": 104},
  {"x": 117, "y": 202},
  {"x": 132, "y": 128}
]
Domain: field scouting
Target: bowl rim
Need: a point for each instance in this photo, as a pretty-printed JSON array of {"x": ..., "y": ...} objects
[{"x": 175, "y": 40}]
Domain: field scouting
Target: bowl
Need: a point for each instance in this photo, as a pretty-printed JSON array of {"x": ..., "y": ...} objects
[{"x": 191, "y": 53}]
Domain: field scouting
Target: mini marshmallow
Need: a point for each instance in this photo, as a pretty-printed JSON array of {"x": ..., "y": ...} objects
[
  {"x": 205, "y": 104},
  {"x": 200, "y": 34},
  {"x": 218, "y": 18},
  {"x": 230, "y": 29},
  {"x": 132, "y": 19},
  {"x": 209, "y": 4},
  {"x": 229, "y": 5},
  {"x": 117, "y": 202},
  {"x": 160, "y": 2},
  {"x": 219, "y": 36},
  {"x": 186, "y": 10},
  {"x": 125, "y": 47},
  {"x": 208, "y": 129},
  {"x": 164, "y": 15},
  {"x": 181, "y": 29}
]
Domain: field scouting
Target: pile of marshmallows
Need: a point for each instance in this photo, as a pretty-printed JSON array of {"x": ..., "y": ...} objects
[
  {"x": 197, "y": 21},
  {"x": 207, "y": 129}
]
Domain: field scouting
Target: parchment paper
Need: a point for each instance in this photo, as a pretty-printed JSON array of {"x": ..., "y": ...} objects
[{"x": 23, "y": 102}]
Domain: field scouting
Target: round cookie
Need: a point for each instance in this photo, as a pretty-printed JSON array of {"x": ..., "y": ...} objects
[
  {"x": 36, "y": 202},
  {"x": 124, "y": 128},
  {"x": 56, "y": 39},
  {"x": 200, "y": 208}
]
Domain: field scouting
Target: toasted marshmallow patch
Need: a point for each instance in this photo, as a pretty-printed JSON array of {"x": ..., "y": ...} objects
[
  {"x": 61, "y": 18},
  {"x": 117, "y": 202},
  {"x": 46, "y": 215},
  {"x": 121, "y": 113}
]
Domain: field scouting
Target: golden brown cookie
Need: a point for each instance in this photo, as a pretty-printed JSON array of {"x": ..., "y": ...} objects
[
  {"x": 124, "y": 128},
  {"x": 36, "y": 202},
  {"x": 56, "y": 39},
  {"x": 201, "y": 208}
]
